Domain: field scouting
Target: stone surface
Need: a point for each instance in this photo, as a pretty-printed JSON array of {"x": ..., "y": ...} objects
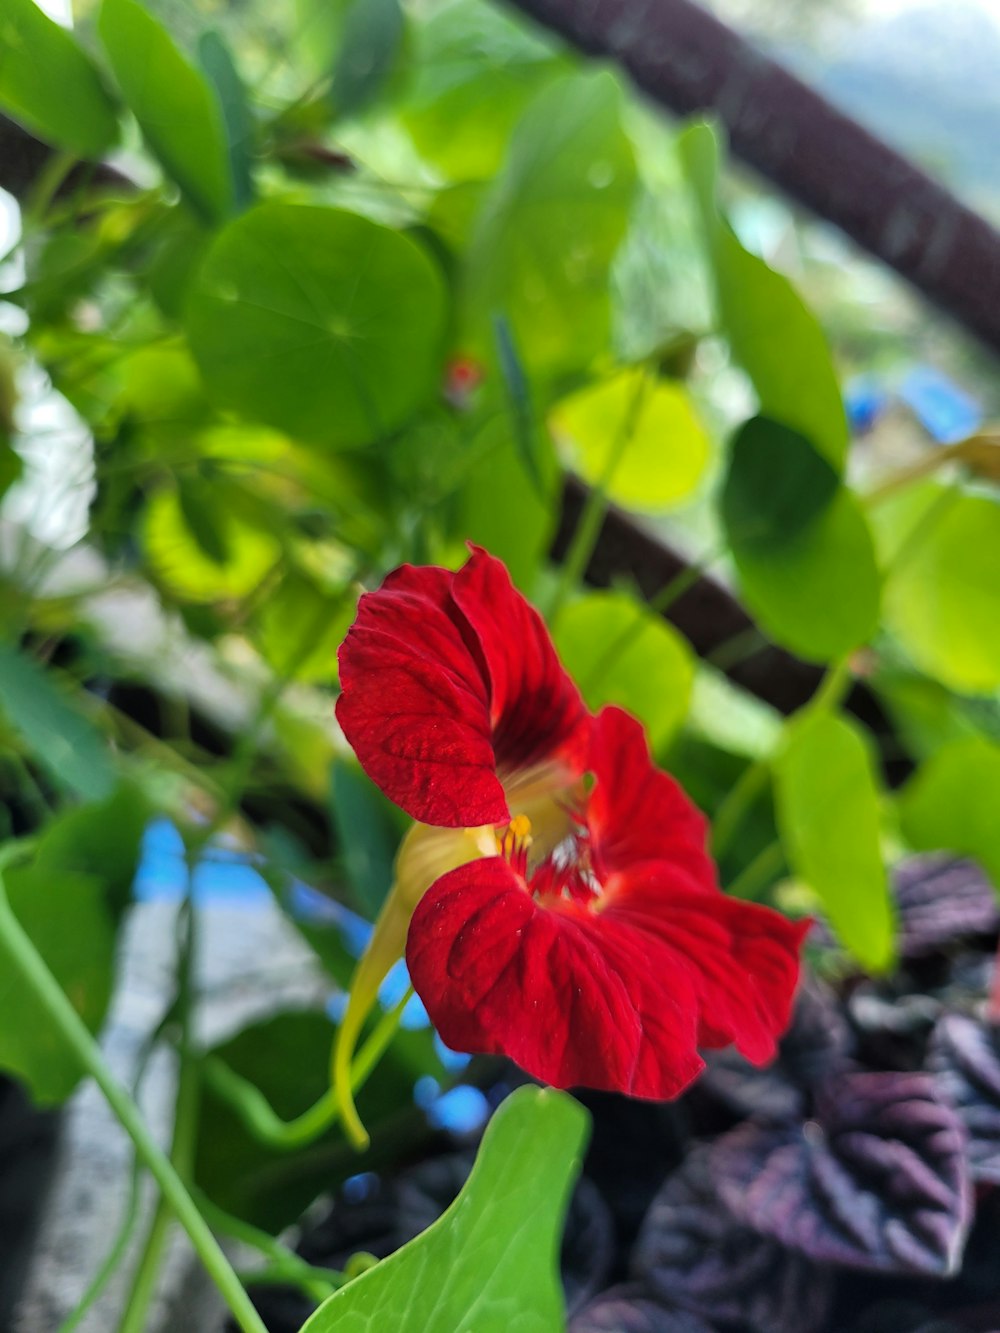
[{"x": 249, "y": 961}]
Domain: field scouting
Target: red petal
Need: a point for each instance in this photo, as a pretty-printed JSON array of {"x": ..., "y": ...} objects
[
  {"x": 636, "y": 812},
  {"x": 574, "y": 999},
  {"x": 448, "y": 679},
  {"x": 536, "y": 711},
  {"x": 415, "y": 705},
  {"x": 745, "y": 957}
]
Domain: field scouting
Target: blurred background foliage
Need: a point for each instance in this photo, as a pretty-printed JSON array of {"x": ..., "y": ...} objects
[{"x": 366, "y": 282}]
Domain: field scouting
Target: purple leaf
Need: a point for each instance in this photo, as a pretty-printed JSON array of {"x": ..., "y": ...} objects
[
  {"x": 692, "y": 1251},
  {"x": 814, "y": 1046},
  {"x": 878, "y": 1180},
  {"x": 942, "y": 900},
  {"x": 964, "y": 1057},
  {"x": 632, "y": 1309}
]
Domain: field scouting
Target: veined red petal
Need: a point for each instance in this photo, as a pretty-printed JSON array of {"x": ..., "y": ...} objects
[
  {"x": 745, "y": 957},
  {"x": 449, "y": 682},
  {"x": 414, "y": 704},
  {"x": 636, "y": 812},
  {"x": 573, "y": 998},
  {"x": 536, "y": 711}
]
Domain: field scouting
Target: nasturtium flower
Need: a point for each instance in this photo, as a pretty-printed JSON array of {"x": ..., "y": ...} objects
[{"x": 555, "y": 897}]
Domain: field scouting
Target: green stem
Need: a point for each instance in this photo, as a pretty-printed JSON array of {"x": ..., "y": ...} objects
[
  {"x": 25, "y": 959},
  {"x": 52, "y": 175},
  {"x": 317, "y": 1283},
  {"x": 588, "y": 529},
  {"x": 671, "y": 592},
  {"x": 737, "y": 802},
  {"x": 754, "y": 878},
  {"x": 262, "y": 1120}
]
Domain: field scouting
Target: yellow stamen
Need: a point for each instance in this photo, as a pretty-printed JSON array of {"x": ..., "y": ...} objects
[{"x": 520, "y": 826}]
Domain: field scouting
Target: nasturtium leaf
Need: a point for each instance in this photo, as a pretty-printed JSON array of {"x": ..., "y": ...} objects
[
  {"x": 318, "y": 322},
  {"x": 771, "y": 332},
  {"x": 369, "y": 832},
  {"x": 287, "y": 1058},
  {"x": 632, "y": 1309},
  {"x": 68, "y": 898},
  {"x": 828, "y": 815},
  {"x": 203, "y": 543},
  {"x": 941, "y": 901},
  {"x": 817, "y": 593},
  {"x": 499, "y": 506},
  {"x": 490, "y": 1263},
  {"x": 621, "y": 653},
  {"x": 370, "y": 42},
  {"x": 693, "y": 1253},
  {"x": 52, "y": 729},
  {"x": 176, "y": 109},
  {"x": 666, "y": 448},
  {"x": 219, "y": 68},
  {"x": 549, "y": 226},
  {"x": 71, "y": 928},
  {"x": 964, "y": 1058},
  {"x": 49, "y": 84},
  {"x": 101, "y": 840},
  {"x": 475, "y": 69},
  {"x": 951, "y": 803},
  {"x": 877, "y": 1180},
  {"x": 942, "y": 596},
  {"x": 299, "y": 628},
  {"x": 776, "y": 484}
]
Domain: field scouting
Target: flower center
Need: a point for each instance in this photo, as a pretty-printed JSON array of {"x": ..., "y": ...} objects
[{"x": 562, "y": 875}]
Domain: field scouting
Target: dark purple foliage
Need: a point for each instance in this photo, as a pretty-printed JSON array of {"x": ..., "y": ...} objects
[
  {"x": 633, "y": 1310},
  {"x": 693, "y": 1252},
  {"x": 942, "y": 900},
  {"x": 878, "y": 1180},
  {"x": 965, "y": 1059},
  {"x": 816, "y": 1044}
]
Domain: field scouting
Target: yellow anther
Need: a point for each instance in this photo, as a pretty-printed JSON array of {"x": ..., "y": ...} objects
[{"x": 520, "y": 827}]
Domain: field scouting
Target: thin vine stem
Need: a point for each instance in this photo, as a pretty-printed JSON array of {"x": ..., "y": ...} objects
[
  {"x": 595, "y": 507},
  {"x": 24, "y": 959}
]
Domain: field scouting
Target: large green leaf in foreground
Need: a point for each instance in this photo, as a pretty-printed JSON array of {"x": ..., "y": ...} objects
[{"x": 490, "y": 1264}]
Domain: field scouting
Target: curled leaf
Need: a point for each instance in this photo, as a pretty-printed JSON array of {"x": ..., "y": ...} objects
[
  {"x": 693, "y": 1252},
  {"x": 878, "y": 1180},
  {"x": 965, "y": 1059}
]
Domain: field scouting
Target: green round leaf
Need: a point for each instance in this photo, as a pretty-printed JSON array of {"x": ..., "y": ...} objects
[
  {"x": 299, "y": 629},
  {"x": 667, "y": 449},
  {"x": 48, "y": 83},
  {"x": 828, "y": 814},
  {"x": 776, "y": 484},
  {"x": 319, "y": 322},
  {"x": 818, "y": 593},
  {"x": 943, "y": 595},
  {"x": 618, "y": 652},
  {"x": 951, "y": 803},
  {"x": 202, "y": 544}
]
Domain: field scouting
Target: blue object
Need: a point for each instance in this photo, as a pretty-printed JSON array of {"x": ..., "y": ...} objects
[
  {"x": 946, "y": 412},
  {"x": 864, "y": 401}
]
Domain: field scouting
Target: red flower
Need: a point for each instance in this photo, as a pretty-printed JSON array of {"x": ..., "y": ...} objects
[{"x": 578, "y": 927}]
